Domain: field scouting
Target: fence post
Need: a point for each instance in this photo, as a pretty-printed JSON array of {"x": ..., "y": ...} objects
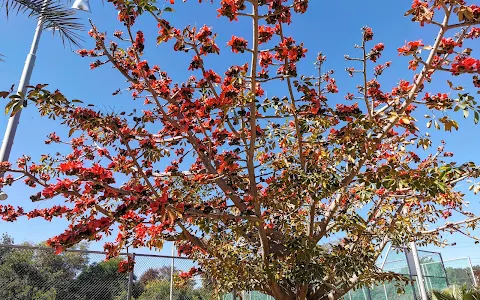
[
  {"x": 444, "y": 269},
  {"x": 471, "y": 270},
  {"x": 418, "y": 268},
  {"x": 172, "y": 270},
  {"x": 130, "y": 279}
]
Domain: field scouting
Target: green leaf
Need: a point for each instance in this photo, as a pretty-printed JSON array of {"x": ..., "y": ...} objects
[
  {"x": 476, "y": 117},
  {"x": 9, "y": 106},
  {"x": 441, "y": 296},
  {"x": 465, "y": 113},
  {"x": 168, "y": 9},
  {"x": 16, "y": 108}
]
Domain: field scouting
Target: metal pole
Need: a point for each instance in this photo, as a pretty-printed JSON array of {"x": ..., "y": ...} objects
[
  {"x": 418, "y": 268},
  {"x": 172, "y": 270},
  {"x": 473, "y": 274},
  {"x": 234, "y": 293},
  {"x": 22, "y": 88},
  {"x": 130, "y": 280},
  {"x": 410, "y": 271},
  {"x": 369, "y": 294}
]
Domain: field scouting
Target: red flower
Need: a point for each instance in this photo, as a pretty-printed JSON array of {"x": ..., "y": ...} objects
[
  {"x": 474, "y": 33},
  {"x": 367, "y": 34},
  {"x": 212, "y": 76},
  {"x": 332, "y": 86},
  {"x": 238, "y": 44},
  {"x": 128, "y": 264},
  {"x": 376, "y": 52},
  {"x": 204, "y": 33},
  {"x": 300, "y": 6},
  {"x": 266, "y": 59},
  {"x": 413, "y": 64},
  {"x": 139, "y": 42},
  {"x": 410, "y": 48},
  {"x": 438, "y": 101},
  {"x": 229, "y": 9},
  {"x": 70, "y": 167},
  {"x": 447, "y": 46},
  {"x": 402, "y": 88},
  {"x": 265, "y": 33},
  {"x": 463, "y": 64},
  {"x": 421, "y": 12},
  {"x": 380, "y": 68}
]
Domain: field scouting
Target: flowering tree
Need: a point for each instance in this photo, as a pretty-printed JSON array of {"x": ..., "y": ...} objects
[{"x": 255, "y": 188}]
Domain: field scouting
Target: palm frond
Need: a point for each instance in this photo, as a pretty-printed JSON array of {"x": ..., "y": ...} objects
[
  {"x": 54, "y": 16},
  {"x": 436, "y": 295}
]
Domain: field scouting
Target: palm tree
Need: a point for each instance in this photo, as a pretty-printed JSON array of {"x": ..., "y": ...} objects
[
  {"x": 54, "y": 16},
  {"x": 457, "y": 293}
]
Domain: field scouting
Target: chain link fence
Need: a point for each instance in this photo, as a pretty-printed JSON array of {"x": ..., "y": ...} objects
[
  {"x": 400, "y": 260},
  {"x": 36, "y": 273},
  {"x": 460, "y": 272}
]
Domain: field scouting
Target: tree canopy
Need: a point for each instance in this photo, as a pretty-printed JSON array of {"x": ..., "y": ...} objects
[{"x": 255, "y": 187}]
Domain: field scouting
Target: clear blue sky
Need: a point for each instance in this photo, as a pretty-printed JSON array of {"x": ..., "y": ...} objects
[{"x": 329, "y": 26}]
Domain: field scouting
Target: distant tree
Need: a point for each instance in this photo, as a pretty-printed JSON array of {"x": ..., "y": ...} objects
[
  {"x": 160, "y": 290},
  {"x": 37, "y": 274},
  {"x": 100, "y": 281},
  {"x": 162, "y": 273},
  {"x": 6, "y": 240},
  {"x": 460, "y": 276}
]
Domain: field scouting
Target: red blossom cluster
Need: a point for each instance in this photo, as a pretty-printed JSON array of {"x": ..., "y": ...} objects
[
  {"x": 380, "y": 68},
  {"x": 403, "y": 88},
  {"x": 465, "y": 64},
  {"x": 439, "y": 101},
  {"x": 238, "y": 44},
  {"x": 421, "y": 12},
  {"x": 367, "y": 34},
  {"x": 348, "y": 112},
  {"x": 126, "y": 265},
  {"x": 474, "y": 33},
  {"x": 288, "y": 50},
  {"x": 230, "y": 8},
  {"x": 10, "y": 213},
  {"x": 189, "y": 274},
  {"x": 410, "y": 48},
  {"x": 48, "y": 213},
  {"x": 376, "y": 52},
  {"x": 447, "y": 46},
  {"x": 265, "y": 33}
]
